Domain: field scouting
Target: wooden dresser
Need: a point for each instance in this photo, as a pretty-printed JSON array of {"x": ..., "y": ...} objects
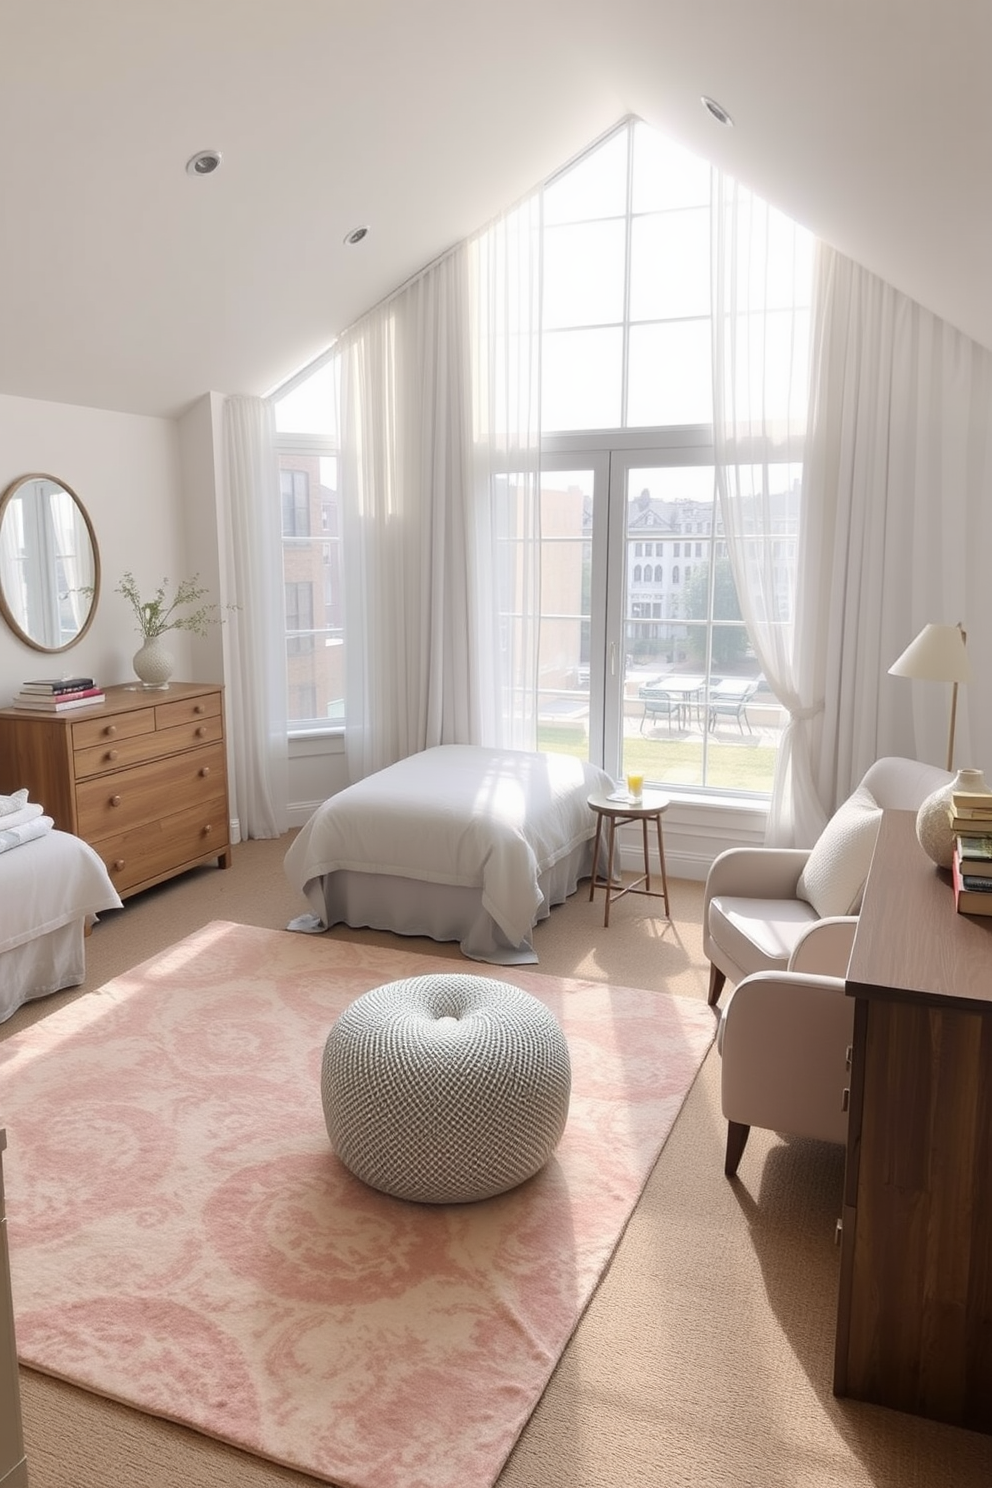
[
  {"x": 13, "y": 1468},
  {"x": 915, "y": 1312},
  {"x": 142, "y": 777}
]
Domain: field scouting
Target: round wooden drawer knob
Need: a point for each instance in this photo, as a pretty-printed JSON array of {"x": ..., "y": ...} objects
[
  {"x": 198, "y": 708},
  {"x": 110, "y": 730},
  {"x": 207, "y": 830},
  {"x": 115, "y": 800},
  {"x": 205, "y": 770},
  {"x": 112, "y": 754},
  {"x": 119, "y": 864},
  {"x": 201, "y": 731}
]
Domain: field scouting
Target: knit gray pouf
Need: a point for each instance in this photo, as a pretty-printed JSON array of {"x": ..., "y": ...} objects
[{"x": 445, "y": 1088}]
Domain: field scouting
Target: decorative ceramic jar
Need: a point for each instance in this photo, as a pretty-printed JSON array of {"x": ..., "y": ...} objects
[
  {"x": 154, "y": 664},
  {"x": 933, "y": 828}
]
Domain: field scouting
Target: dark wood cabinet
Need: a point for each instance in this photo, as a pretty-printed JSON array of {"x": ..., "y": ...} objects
[{"x": 915, "y": 1309}]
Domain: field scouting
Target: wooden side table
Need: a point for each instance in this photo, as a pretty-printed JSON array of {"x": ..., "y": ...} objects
[{"x": 650, "y": 807}]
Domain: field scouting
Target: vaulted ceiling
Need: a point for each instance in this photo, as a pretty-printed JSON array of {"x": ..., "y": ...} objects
[{"x": 126, "y": 283}]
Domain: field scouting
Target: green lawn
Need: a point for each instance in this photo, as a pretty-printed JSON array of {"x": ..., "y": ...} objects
[{"x": 731, "y": 766}]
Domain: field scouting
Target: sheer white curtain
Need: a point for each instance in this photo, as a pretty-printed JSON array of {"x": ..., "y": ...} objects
[
  {"x": 406, "y": 494},
  {"x": 899, "y": 483},
  {"x": 439, "y": 488},
  {"x": 762, "y": 286},
  {"x": 505, "y": 296},
  {"x": 256, "y": 694}
]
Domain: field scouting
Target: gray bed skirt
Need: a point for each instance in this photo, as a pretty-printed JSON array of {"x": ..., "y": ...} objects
[{"x": 408, "y": 906}]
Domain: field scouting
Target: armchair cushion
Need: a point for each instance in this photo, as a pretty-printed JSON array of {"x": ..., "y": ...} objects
[
  {"x": 759, "y": 933},
  {"x": 833, "y": 879}
]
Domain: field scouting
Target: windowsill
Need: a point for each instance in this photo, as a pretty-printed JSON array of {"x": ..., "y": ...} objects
[
  {"x": 315, "y": 742},
  {"x": 696, "y": 800}
]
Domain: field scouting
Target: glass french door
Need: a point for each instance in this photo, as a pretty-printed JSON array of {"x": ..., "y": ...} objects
[
  {"x": 662, "y": 543},
  {"x": 645, "y": 663}
]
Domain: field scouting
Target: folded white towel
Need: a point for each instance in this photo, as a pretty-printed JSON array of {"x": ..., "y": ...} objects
[
  {"x": 17, "y": 836},
  {"x": 10, "y": 804},
  {"x": 17, "y": 818}
]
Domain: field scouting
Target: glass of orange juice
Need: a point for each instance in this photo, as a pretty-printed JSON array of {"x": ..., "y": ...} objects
[{"x": 635, "y": 786}]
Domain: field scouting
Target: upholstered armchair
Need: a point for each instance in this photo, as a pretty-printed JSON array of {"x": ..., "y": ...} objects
[
  {"x": 780, "y": 923},
  {"x": 762, "y": 904}
]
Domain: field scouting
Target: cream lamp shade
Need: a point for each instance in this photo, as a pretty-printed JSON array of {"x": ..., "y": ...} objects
[{"x": 937, "y": 655}]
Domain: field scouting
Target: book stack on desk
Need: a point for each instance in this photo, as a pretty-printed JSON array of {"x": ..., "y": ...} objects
[
  {"x": 58, "y": 694},
  {"x": 970, "y": 813},
  {"x": 972, "y": 874}
]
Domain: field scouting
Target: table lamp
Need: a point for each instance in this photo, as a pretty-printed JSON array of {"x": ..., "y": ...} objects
[{"x": 937, "y": 655}]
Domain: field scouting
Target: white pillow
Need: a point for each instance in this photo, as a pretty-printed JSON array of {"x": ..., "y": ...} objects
[{"x": 833, "y": 879}]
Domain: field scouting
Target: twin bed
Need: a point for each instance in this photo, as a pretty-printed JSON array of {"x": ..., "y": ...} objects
[
  {"x": 455, "y": 843},
  {"x": 50, "y": 888}
]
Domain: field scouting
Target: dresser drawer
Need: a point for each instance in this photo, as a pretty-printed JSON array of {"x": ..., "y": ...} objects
[
  {"x": 157, "y": 849},
  {"x": 145, "y": 793},
  {"x": 187, "y": 710},
  {"x": 114, "y": 726},
  {"x": 116, "y": 754}
]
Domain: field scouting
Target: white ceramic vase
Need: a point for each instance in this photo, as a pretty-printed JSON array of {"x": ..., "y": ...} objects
[
  {"x": 154, "y": 663},
  {"x": 932, "y": 826}
]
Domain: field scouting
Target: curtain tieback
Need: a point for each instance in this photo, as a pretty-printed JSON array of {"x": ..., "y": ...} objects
[{"x": 803, "y": 715}]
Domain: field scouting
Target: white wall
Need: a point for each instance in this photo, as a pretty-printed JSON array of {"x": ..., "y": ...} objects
[{"x": 125, "y": 470}]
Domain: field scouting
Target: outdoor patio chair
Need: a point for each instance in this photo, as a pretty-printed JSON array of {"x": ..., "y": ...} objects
[
  {"x": 659, "y": 704},
  {"x": 730, "y": 699}
]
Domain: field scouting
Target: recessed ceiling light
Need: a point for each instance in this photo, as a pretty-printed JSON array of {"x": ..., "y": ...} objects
[
  {"x": 356, "y": 235},
  {"x": 203, "y": 163},
  {"x": 718, "y": 111}
]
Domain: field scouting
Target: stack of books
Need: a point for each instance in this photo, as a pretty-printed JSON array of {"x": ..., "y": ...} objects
[
  {"x": 970, "y": 813},
  {"x": 972, "y": 873},
  {"x": 58, "y": 694}
]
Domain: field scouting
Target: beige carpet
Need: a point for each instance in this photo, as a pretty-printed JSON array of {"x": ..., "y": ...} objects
[{"x": 705, "y": 1358}]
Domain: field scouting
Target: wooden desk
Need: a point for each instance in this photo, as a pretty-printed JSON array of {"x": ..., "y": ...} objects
[{"x": 914, "y": 1324}]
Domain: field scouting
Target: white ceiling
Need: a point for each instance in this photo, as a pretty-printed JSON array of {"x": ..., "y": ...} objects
[{"x": 126, "y": 284}]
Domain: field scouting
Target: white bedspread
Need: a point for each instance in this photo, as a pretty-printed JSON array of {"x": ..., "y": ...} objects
[
  {"x": 458, "y": 814},
  {"x": 48, "y": 883}
]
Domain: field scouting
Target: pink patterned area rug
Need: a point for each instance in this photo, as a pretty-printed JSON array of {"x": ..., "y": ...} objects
[{"x": 183, "y": 1239}]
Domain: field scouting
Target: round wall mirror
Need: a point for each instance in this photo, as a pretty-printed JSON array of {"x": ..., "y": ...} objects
[{"x": 49, "y": 563}]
